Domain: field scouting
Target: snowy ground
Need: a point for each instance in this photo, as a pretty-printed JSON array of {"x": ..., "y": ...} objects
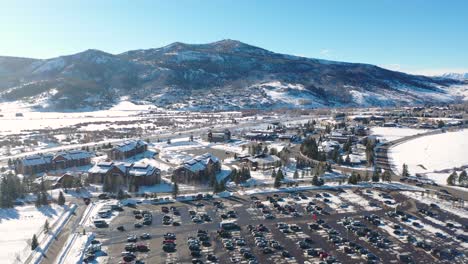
[
  {"x": 394, "y": 133},
  {"x": 17, "y": 226},
  {"x": 32, "y": 119},
  {"x": 434, "y": 156},
  {"x": 73, "y": 250},
  {"x": 357, "y": 199}
]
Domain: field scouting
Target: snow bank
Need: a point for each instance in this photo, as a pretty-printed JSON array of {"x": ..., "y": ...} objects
[
  {"x": 17, "y": 226},
  {"x": 433, "y": 155},
  {"x": 46, "y": 240},
  {"x": 73, "y": 251},
  {"x": 394, "y": 133}
]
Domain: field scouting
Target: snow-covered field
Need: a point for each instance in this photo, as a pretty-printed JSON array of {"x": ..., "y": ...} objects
[
  {"x": 394, "y": 133},
  {"x": 31, "y": 119},
  {"x": 17, "y": 226},
  {"x": 433, "y": 155}
]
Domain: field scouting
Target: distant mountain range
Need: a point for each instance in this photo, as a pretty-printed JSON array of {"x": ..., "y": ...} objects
[
  {"x": 456, "y": 76},
  {"x": 224, "y": 75}
]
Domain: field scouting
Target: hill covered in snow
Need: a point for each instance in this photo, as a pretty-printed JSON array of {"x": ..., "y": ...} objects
[
  {"x": 223, "y": 75},
  {"x": 456, "y": 76}
]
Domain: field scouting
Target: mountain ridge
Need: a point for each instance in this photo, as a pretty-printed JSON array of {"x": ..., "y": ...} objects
[{"x": 226, "y": 74}]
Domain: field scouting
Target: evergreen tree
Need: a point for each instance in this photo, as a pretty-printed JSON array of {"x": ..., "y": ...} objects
[
  {"x": 452, "y": 178},
  {"x": 34, "y": 243},
  {"x": 221, "y": 187},
  {"x": 77, "y": 182},
  {"x": 376, "y": 176},
  {"x": 463, "y": 178},
  {"x": 347, "y": 146},
  {"x": 405, "y": 171},
  {"x": 440, "y": 124},
  {"x": 347, "y": 160},
  {"x": 42, "y": 187},
  {"x": 5, "y": 199},
  {"x": 273, "y": 174},
  {"x": 387, "y": 176},
  {"x": 120, "y": 194},
  {"x": 315, "y": 180},
  {"x": 366, "y": 178},
  {"x": 46, "y": 226},
  {"x": 370, "y": 151},
  {"x": 309, "y": 148},
  {"x": 44, "y": 200},
  {"x": 175, "y": 190},
  {"x": 280, "y": 174},
  {"x": 61, "y": 199},
  {"x": 37, "y": 203},
  {"x": 353, "y": 179},
  {"x": 296, "y": 174},
  {"x": 277, "y": 183}
]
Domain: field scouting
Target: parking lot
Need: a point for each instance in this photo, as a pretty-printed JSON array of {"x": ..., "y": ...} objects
[{"x": 344, "y": 226}]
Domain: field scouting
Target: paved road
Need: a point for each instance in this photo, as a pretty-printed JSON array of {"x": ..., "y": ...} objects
[
  {"x": 197, "y": 131},
  {"x": 70, "y": 227}
]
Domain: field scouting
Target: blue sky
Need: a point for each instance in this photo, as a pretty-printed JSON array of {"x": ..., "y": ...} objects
[{"x": 414, "y": 36}]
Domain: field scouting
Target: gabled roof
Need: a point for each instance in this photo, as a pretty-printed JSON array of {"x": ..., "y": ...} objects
[
  {"x": 104, "y": 167},
  {"x": 141, "y": 169},
  {"x": 75, "y": 154},
  {"x": 199, "y": 163},
  {"x": 129, "y": 145},
  {"x": 37, "y": 160}
]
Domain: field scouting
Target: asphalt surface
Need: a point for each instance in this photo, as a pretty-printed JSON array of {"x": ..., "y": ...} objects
[{"x": 247, "y": 214}]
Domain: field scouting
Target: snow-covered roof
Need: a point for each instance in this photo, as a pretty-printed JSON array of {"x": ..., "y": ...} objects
[
  {"x": 75, "y": 154},
  {"x": 104, "y": 167},
  {"x": 37, "y": 160},
  {"x": 199, "y": 163},
  {"x": 328, "y": 146},
  {"x": 265, "y": 159},
  {"x": 129, "y": 145},
  {"x": 101, "y": 168},
  {"x": 47, "y": 178},
  {"x": 141, "y": 169}
]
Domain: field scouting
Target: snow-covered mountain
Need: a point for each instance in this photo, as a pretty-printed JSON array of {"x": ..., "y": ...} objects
[
  {"x": 226, "y": 74},
  {"x": 456, "y": 76}
]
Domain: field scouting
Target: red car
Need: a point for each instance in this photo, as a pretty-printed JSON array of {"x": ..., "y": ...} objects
[{"x": 142, "y": 248}]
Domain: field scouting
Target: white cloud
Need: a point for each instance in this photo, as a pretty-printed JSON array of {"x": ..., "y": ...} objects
[{"x": 325, "y": 52}]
